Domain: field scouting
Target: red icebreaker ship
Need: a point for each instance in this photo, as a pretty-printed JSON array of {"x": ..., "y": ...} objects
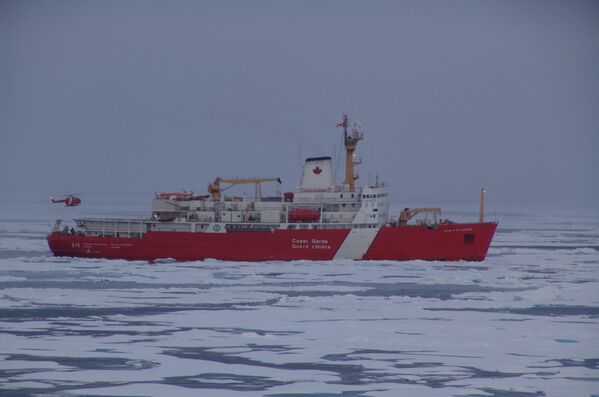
[{"x": 321, "y": 220}]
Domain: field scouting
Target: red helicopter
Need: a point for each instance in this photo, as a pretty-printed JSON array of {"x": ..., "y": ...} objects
[{"x": 69, "y": 201}]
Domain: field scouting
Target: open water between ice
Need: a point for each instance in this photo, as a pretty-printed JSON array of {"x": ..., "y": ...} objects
[{"x": 525, "y": 322}]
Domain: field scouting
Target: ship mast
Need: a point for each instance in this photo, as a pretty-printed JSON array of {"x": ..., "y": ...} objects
[{"x": 351, "y": 142}]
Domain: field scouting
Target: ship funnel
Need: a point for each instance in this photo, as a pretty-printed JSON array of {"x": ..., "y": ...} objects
[{"x": 318, "y": 174}]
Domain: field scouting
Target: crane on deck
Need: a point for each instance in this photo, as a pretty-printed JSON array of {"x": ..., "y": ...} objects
[
  {"x": 409, "y": 213},
  {"x": 215, "y": 188}
]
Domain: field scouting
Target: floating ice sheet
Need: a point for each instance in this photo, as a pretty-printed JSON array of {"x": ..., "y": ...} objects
[{"x": 525, "y": 322}]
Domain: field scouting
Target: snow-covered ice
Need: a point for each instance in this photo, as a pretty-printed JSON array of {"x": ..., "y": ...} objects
[{"x": 525, "y": 322}]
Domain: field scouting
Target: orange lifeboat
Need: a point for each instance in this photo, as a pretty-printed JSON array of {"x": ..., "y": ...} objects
[
  {"x": 175, "y": 195},
  {"x": 303, "y": 215}
]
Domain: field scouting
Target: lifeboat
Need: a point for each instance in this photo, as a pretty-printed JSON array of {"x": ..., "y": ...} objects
[
  {"x": 175, "y": 195},
  {"x": 303, "y": 215}
]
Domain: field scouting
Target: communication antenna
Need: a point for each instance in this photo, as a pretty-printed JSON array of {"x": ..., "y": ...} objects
[
  {"x": 335, "y": 161},
  {"x": 299, "y": 161},
  {"x": 338, "y": 153},
  {"x": 350, "y": 142}
]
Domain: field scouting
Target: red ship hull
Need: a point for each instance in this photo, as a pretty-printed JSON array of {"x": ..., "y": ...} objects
[
  {"x": 453, "y": 242},
  {"x": 443, "y": 242}
]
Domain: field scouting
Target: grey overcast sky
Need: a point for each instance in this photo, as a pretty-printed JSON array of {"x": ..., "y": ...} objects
[{"x": 130, "y": 97}]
